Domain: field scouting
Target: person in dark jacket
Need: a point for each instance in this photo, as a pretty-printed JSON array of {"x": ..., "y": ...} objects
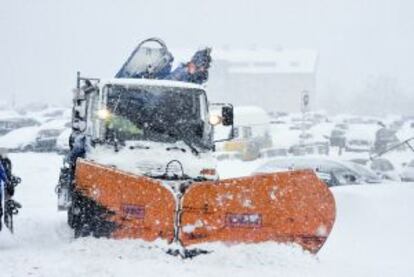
[
  {"x": 5, "y": 170},
  {"x": 4, "y": 180},
  {"x": 149, "y": 63},
  {"x": 195, "y": 71}
]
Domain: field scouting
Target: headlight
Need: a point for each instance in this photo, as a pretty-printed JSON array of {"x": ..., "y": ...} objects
[
  {"x": 103, "y": 114},
  {"x": 215, "y": 120}
]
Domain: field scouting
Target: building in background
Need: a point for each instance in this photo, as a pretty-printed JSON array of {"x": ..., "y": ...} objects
[{"x": 273, "y": 79}]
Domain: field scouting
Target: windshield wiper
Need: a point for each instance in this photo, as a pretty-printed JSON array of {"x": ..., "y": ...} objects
[
  {"x": 188, "y": 143},
  {"x": 176, "y": 134},
  {"x": 193, "y": 149},
  {"x": 138, "y": 146},
  {"x": 176, "y": 148}
]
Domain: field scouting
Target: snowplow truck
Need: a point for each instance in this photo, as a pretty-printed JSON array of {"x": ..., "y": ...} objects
[{"x": 141, "y": 167}]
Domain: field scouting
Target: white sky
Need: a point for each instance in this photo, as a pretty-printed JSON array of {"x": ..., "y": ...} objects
[{"x": 44, "y": 42}]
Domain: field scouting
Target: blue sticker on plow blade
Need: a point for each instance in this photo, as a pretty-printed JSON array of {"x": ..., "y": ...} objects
[
  {"x": 244, "y": 220},
  {"x": 133, "y": 211}
]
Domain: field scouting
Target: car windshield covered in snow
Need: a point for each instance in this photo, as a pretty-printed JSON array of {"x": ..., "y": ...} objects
[{"x": 156, "y": 113}]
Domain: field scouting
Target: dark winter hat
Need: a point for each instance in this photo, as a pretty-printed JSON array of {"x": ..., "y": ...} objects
[{"x": 202, "y": 58}]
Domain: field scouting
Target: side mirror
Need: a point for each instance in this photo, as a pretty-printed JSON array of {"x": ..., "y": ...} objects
[
  {"x": 224, "y": 123},
  {"x": 227, "y": 115}
]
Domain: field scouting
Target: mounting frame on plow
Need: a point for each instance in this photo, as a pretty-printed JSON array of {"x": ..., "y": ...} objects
[{"x": 282, "y": 207}]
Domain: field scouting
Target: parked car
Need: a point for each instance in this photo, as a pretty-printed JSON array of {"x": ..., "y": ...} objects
[
  {"x": 273, "y": 152},
  {"x": 407, "y": 174},
  {"x": 34, "y": 138},
  {"x": 21, "y": 139},
  {"x": 46, "y": 140},
  {"x": 332, "y": 172},
  {"x": 385, "y": 169},
  {"x": 10, "y": 124},
  {"x": 251, "y": 132},
  {"x": 384, "y": 139},
  {"x": 361, "y": 137}
]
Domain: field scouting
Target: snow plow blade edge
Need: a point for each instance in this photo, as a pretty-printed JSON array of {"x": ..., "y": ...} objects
[
  {"x": 283, "y": 207},
  {"x": 140, "y": 207}
]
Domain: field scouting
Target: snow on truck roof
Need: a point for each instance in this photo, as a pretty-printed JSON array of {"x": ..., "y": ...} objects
[{"x": 151, "y": 82}]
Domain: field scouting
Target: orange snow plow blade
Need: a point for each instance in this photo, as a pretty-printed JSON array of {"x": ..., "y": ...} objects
[
  {"x": 282, "y": 207},
  {"x": 140, "y": 207}
]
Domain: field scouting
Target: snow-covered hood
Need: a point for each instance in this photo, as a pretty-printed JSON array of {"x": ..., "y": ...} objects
[
  {"x": 408, "y": 173},
  {"x": 151, "y": 159}
]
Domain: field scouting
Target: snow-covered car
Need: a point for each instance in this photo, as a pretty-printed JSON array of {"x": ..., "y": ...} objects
[
  {"x": 332, "y": 172},
  {"x": 22, "y": 139},
  {"x": 385, "y": 169},
  {"x": 251, "y": 132},
  {"x": 384, "y": 139},
  {"x": 34, "y": 138},
  {"x": 46, "y": 140},
  {"x": 407, "y": 174},
  {"x": 361, "y": 137},
  {"x": 273, "y": 152},
  {"x": 10, "y": 124}
]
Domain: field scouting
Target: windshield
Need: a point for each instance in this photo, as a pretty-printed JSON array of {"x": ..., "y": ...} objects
[
  {"x": 367, "y": 174},
  {"x": 161, "y": 114}
]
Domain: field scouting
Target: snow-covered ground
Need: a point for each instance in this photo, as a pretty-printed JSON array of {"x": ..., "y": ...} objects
[{"x": 372, "y": 236}]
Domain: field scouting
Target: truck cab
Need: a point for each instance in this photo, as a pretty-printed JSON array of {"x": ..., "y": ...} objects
[{"x": 141, "y": 125}]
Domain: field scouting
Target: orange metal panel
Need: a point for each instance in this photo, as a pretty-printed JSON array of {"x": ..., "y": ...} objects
[
  {"x": 282, "y": 207},
  {"x": 143, "y": 207}
]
